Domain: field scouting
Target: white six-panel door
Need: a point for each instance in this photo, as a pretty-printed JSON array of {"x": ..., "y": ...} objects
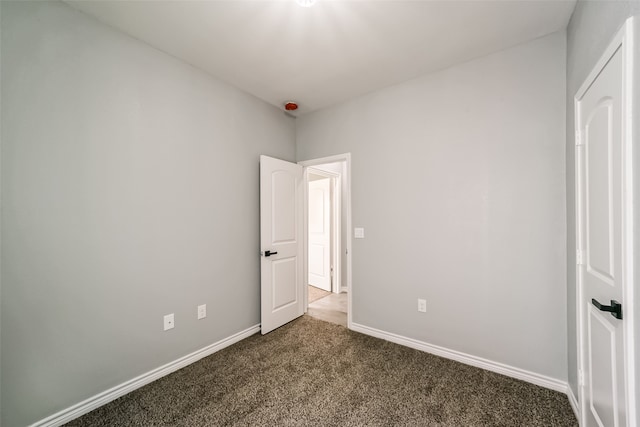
[{"x": 281, "y": 242}]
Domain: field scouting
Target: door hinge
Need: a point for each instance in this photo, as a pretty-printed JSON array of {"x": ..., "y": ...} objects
[
  {"x": 578, "y": 137},
  {"x": 579, "y": 257}
]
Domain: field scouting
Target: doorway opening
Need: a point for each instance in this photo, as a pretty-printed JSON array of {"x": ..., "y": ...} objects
[{"x": 327, "y": 220}]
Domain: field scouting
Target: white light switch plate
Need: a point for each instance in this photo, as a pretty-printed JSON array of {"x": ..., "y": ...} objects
[
  {"x": 202, "y": 311},
  {"x": 358, "y": 233}
]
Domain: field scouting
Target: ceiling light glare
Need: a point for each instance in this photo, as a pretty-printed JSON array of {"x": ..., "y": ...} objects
[{"x": 306, "y": 3}]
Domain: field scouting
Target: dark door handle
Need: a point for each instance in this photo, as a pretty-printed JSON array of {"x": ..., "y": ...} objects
[
  {"x": 615, "y": 308},
  {"x": 269, "y": 253}
]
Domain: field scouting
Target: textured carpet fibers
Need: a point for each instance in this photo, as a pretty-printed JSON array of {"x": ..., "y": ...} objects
[{"x": 313, "y": 373}]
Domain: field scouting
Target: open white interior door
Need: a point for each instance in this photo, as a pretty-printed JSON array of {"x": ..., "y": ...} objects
[
  {"x": 600, "y": 233},
  {"x": 281, "y": 242},
  {"x": 604, "y": 176}
]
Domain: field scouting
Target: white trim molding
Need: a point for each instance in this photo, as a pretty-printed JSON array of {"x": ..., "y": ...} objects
[
  {"x": 107, "y": 396},
  {"x": 467, "y": 359},
  {"x": 574, "y": 403}
]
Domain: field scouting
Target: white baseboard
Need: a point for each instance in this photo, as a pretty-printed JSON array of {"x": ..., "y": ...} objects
[
  {"x": 574, "y": 403},
  {"x": 107, "y": 396},
  {"x": 489, "y": 365}
]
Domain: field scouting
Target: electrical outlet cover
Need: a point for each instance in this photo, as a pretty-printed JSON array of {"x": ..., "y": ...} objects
[{"x": 169, "y": 322}]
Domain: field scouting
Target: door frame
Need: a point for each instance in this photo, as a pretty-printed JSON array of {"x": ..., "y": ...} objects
[
  {"x": 335, "y": 186},
  {"x": 346, "y": 158},
  {"x": 628, "y": 40}
]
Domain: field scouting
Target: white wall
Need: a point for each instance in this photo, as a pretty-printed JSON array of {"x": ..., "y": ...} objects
[
  {"x": 129, "y": 191},
  {"x": 591, "y": 29},
  {"x": 458, "y": 178}
]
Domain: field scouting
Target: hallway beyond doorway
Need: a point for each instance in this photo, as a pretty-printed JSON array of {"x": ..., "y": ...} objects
[{"x": 331, "y": 308}]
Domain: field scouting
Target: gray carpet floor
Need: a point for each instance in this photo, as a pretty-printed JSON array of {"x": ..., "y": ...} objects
[{"x": 314, "y": 373}]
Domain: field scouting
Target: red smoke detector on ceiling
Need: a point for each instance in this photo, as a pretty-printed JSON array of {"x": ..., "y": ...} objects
[{"x": 290, "y": 106}]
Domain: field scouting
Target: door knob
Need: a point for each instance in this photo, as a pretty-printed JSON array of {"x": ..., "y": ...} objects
[
  {"x": 615, "y": 308},
  {"x": 269, "y": 253}
]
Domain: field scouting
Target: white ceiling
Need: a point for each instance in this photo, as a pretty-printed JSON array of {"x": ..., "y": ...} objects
[{"x": 333, "y": 51}]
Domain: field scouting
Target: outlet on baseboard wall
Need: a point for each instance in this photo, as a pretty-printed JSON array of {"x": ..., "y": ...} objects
[{"x": 422, "y": 305}]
